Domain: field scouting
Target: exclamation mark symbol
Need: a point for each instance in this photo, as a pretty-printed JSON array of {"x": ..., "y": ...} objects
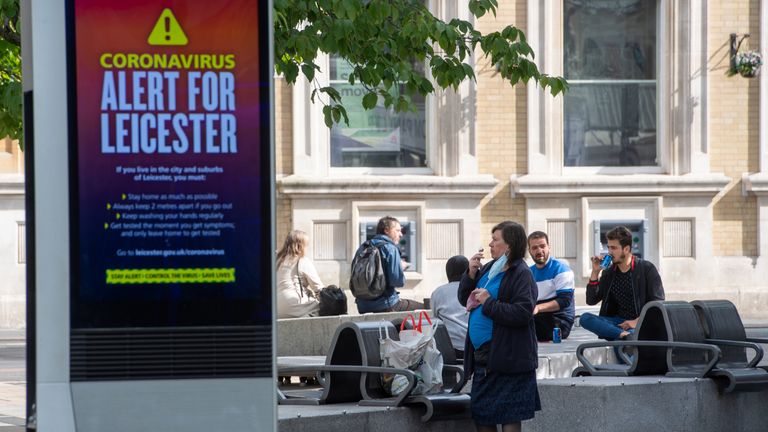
[{"x": 167, "y": 31}]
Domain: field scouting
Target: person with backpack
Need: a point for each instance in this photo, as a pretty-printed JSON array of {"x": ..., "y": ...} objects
[{"x": 377, "y": 270}]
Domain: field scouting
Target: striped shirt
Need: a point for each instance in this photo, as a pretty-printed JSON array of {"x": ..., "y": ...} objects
[{"x": 555, "y": 282}]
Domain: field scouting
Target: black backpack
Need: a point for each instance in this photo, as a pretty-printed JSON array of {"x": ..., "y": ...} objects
[
  {"x": 367, "y": 281},
  {"x": 333, "y": 301}
]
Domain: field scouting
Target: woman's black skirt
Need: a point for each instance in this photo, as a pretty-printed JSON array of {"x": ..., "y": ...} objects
[{"x": 499, "y": 398}]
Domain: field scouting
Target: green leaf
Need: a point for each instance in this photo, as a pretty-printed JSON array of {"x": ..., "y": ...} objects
[
  {"x": 301, "y": 44},
  {"x": 327, "y": 116},
  {"x": 370, "y": 100},
  {"x": 468, "y": 71},
  {"x": 291, "y": 72},
  {"x": 343, "y": 112},
  {"x": 308, "y": 70},
  {"x": 332, "y": 93},
  {"x": 339, "y": 10},
  {"x": 350, "y": 8}
]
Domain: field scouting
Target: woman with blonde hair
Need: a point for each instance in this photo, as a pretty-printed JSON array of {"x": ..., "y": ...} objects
[{"x": 298, "y": 283}]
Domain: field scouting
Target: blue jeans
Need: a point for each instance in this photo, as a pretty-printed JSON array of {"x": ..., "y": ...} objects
[{"x": 605, "y": 327}]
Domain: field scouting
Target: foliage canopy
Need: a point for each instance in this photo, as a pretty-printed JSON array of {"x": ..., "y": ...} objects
[
  {"x": 381, "y": 40},
  {"x": 10, "y": 71}
]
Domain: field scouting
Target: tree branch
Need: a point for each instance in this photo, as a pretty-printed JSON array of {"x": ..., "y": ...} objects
[{"x": 10, "y": 35}]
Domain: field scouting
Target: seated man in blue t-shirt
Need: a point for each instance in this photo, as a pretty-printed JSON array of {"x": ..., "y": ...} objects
[{"x": 554, "y": 306}]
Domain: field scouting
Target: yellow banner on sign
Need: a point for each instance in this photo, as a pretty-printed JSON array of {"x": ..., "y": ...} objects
[{"x": 187, "y": 275}]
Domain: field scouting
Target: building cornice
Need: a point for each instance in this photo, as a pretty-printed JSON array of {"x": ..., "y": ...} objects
[
  {"x": 12, "y": 184},
  {"x": 756, "y": 183},
  {"x": 544, "y": 186},
  {"x": 476, "y": 186}
]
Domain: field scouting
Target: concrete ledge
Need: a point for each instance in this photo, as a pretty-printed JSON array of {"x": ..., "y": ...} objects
[
  {"x": 554, "y": 364},
  {"x": 470, "y": 185},
  {"x": 756, "y": 183},
  {"x": 645, "y": 404},
  {"x": 301, "y": 340},
  {"x": 547, "y": 186},
  {"x": 311, "y": 336},
  {"x": 351, "y": 417},
  {"x": 572, "y": 404}
]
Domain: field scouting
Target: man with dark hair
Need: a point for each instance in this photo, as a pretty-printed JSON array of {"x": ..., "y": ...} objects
[
  {"x": 445, "y": 303},
  {"x": 554, "y": 306},
  {"x": 386, "y": 223},
  {"x": 387, "y": 239},
  {"x": 624, "y": 288}
]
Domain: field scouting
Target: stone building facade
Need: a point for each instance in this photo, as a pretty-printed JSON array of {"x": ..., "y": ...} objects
[
  {"x": 652, "y": 133},
  {"x": 12, "y": 236}
]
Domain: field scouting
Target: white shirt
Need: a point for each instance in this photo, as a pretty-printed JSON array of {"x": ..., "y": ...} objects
[
  {"x": 292, "y": 302},
  {"x": 445, "y": 305}
]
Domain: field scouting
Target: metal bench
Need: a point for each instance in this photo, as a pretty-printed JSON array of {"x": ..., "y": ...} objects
[
  {"x": 352, "y": 374},
  {"x": 668, "y": 341},
  {"x": 705, "y": 338},
  {"x": 723, "y": 326}
]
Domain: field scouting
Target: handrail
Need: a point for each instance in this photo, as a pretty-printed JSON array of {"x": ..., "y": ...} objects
[
  {"x": 757, "y": 348},
  {"x": 409, "y": 375},
  {"x": 716, "y": 353},
  {"x": 462, "y": 380}
]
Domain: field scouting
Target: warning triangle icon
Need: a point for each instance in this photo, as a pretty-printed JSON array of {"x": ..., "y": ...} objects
[{"x": 167, "y": 31}]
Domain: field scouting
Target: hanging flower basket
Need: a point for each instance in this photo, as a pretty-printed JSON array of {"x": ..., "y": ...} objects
[
  {"x": 747, "y": 64},
  {"x": 749, "y": 73}
]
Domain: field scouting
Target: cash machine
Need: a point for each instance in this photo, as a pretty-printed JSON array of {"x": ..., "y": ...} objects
[
  {"x": 407, "y": 244},
  {"x": 638, "y": 228}
]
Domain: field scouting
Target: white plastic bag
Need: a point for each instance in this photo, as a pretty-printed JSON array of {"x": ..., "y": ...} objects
[{"x": 416, "y": 350}]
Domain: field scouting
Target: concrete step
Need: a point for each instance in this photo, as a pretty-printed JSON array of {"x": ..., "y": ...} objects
[{"x": 639, "y": 404}]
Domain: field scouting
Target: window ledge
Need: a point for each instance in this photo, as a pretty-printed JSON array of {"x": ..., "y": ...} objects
[
  {"x": 636, "y": 184},
  {"x": 412, "y": 279},
  {"x": 477, "y": 186},
  {"x": 756, "y": 183},
  {"x": 11, "y": 184}
]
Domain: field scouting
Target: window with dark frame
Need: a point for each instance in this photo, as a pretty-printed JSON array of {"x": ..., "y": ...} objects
[
  {"x": 610, "y": 111},
  {"x": 376, "y": 138}
]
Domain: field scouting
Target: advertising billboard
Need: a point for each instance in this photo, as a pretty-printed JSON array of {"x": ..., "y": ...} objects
[{"x": 170, "y": 169}]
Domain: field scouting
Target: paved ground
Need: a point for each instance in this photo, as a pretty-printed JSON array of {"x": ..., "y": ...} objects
[
  {"x": 12, "y": 381},
  {"x": 13, "y": 364}
]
